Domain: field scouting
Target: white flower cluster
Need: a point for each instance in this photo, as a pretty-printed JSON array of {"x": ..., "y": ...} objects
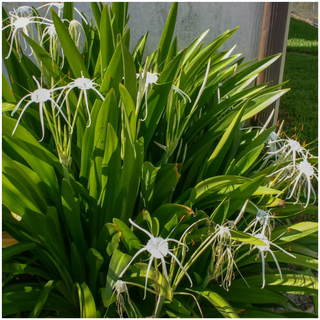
[
  {"x": 23, "y": 18},
  {"x": 298, "y": 171},
  {"x": 42, "y": 95}
]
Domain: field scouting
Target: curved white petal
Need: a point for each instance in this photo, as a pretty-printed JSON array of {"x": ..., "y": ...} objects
[
  {"x": 146, "y": 282},
  {"x": 143, "y": 230},
  {"x": 182, "y": 268},
  {"x": 277, "y": 263},
  {"x": 87, "y": 106},
  {"x": 284, "y": 251},
  {"x": 41, "y": 120},
  {"x": 179, "y": 242},
  {"x": 127, "y": 266},
  {"x": 19, "y": 103},
  {"x": 22, "y": 112},
  {"x": 11, "y": 43},
  {"x": 263, "y": 271},
  {"x": 98, "y": 93}
]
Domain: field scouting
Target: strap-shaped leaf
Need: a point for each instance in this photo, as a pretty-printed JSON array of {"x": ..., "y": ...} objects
[
  {"x": 296, "y": 231},
  {"x": 130, "y": 240},
  {"x": 129, "y": 70},
  {"x": 17, "y": 248},
  {"x": 128, "y": 102},
  {"x": 148, "y": 177},
  {"x": 166, "y": 37},
  {"x": 68, "y": 11},
  {"x": 111, "y": 176},
  {"x": 289, "y": 282},
  {"x": 245, "y": 238},
  {"x": 35, "y": 312},
  {"x": 208, "y": 186},
  {"x": 119, "y": 10},
  {"x": 7, "y": 94},
  {"x": 107, "y": 44},
  {"x": 158, "y": 97},
  {"x": 114, "y": 73},
  {"x": 24, "y": 177},
  {"x": 166, "y": 181},
  {"x": 22, "y": 298},
  {"x": 70, "y": 50},
  {"x": 87, "y": 304},
  {"x": 221, "y": 149},
  {"x": 256, "y": 105},
  {"x": 95, "y": 261},
  {"x": 39, "y": 158},
  {"x": 215, "y": 299},
  {"x": 97, "y": 13},
  {"x": 119, "y": 261},
  {"x": 73, "y": 217},
  {"x": 44, "y": 57},
  {"x": 243, "y": 294}
]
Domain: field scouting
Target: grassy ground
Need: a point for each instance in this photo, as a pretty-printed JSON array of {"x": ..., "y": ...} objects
[{"x": 300, "y": 105}]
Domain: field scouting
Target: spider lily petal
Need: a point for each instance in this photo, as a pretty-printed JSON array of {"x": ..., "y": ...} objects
[
  {"x": 146, "y": 282},
  {"x": 84, "y": 84},
  {"x": 141, "y": 229},
  {"x": 306, "y": 172},
  {"x": 20, "y": 24},
  {"x": 158, "y": 248},
  {"x": 182, "y": 268},
  {"x": 60, "y": 6},
  {"x": 127, "y": 266},
  {"x": 264, "y": 249},
  {"x": 39, "y": 96}
]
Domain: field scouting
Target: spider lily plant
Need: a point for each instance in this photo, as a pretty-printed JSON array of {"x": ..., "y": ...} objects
[{"x": 143, "y": 198}]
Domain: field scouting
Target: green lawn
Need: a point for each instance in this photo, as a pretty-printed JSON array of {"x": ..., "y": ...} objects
[{"x": 300, "y": 105}]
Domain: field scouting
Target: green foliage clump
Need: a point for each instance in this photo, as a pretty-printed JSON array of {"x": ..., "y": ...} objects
[{"x": 146, "y": 159}]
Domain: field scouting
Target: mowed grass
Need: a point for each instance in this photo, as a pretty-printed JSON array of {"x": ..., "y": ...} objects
[{"x": 299, "y": 107}]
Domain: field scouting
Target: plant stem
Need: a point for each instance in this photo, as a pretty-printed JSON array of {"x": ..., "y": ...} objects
[
  {"x": 159, "y": 306},
  {"x": 73, "y": 124}
]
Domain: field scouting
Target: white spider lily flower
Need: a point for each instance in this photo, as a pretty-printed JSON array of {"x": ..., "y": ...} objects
[
  {"x": 83, "y": 84},
  {"x": 23, "y": 11},
  {"x": 121, "y": 288},
  {"x": 223, "y": 233},
  {"x": 226, "y": 258},
  {"x": 75, "y": 28},
  {"x": 263, "y": 219},
  {"x": 19, "y": 24},
  {"x": 60, "y": 6},
  {"x": 54, "y": 43},
  {"x": 223, "y": 255},
  {"x": 39, "y": 96},
  {"x": 152, "y": 78},
  {"x": 291, "y": 148},
  {"x": 305, "y": 173},
  {"x": 264, "y": 249},
  {"x": 159, "y": 249},
  {"x": 274, "y": 143}
]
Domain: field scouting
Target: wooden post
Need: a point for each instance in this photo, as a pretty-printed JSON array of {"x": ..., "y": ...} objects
[{"x": 273, "y": 40}]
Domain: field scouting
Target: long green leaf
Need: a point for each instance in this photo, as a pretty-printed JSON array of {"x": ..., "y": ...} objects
[
  {"x": 35, "y": 312},
  {"x": 70, "y": 50},
  {"x": 167, "y": 33},
  {"x": 220, "y": 303}
]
